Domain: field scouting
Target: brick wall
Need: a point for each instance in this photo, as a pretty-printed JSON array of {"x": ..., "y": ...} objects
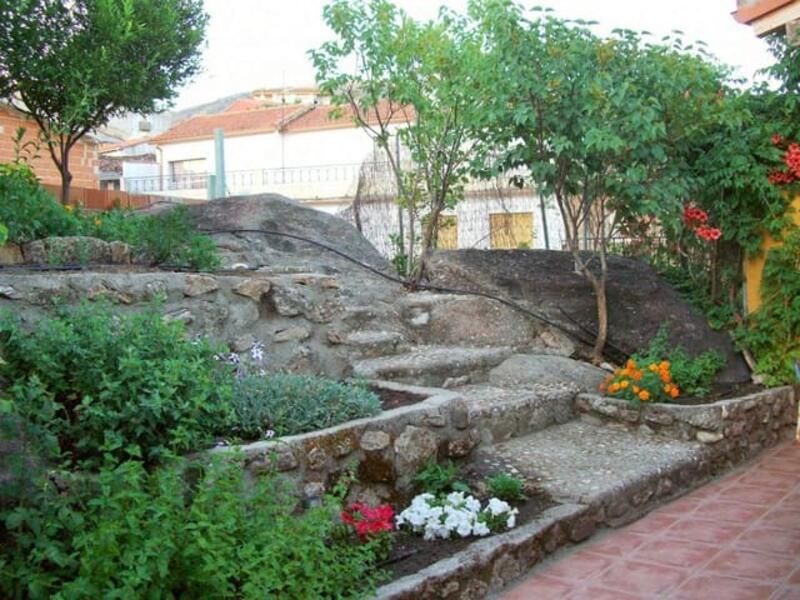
[{"x": 82, "y": 158}]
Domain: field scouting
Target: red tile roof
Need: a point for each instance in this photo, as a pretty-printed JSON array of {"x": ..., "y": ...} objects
[
  {"x": 334, "y": 117},
  {"x": 232, "y": 123},
  {"x": 245, "y": 104},
  {"x": 296, "y": 118}
]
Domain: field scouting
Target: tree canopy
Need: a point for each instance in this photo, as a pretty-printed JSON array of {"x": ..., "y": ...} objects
[{"x": 73, "y": 65}]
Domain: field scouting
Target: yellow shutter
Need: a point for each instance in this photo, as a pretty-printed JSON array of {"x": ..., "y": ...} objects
[
  {"x": 448, "y": 233},
  {"x": 511, "y": 230}
]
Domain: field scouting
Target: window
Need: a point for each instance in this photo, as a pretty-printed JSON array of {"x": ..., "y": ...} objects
[
  {"x": 511, "y": 230},
  {"x": 187, "y": 174},
  {"x": 448, "y": 233},
  {"x": 185, "y": 167}
]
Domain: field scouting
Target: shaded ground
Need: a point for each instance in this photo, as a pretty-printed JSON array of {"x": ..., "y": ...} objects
[
  {"x": 639, "y": 301},
  {"x": 736, "y": 538}
]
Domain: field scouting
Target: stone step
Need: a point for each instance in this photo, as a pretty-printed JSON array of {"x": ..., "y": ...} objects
[
  {"x": 502, "y": 413},
  {"x": 605, "y": 467},
  {"x": 433, "y": 365},
  {"x": 370, "y": 344},
  {"x": 599, "y": 476}
]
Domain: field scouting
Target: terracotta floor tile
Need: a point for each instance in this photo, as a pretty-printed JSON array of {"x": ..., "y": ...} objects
[
  {"x": 641, "y": 578},
  {"x": 751, "y": 565},
  {"x": 753, "y": 495},
  {"x": 782, "y": 517},
  {"x": 725, "y": 510},
  {"x": 792, "y": 501},
  {"x": 540, "y": 587},
  {"x": 618, "y": 543},
  {"x": 682, "y": 507},
  {"x": 782, "y": 466},
  {"x": 677, "y": 553},
  {"x": 714, "y": 587},
  {"x": 704, "y": 531},
  {"x": 769, "y": 479},
  {"x": 786, "y": 593},
  {"x": 784, "y": 542},
  {"x": 595, "y": 592},
  {"x": 653, "y": 523},
  {"x": 579, "y": 566}
]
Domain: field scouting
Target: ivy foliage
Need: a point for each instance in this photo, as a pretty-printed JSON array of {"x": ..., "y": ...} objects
[{"x": 773, "y": 333}]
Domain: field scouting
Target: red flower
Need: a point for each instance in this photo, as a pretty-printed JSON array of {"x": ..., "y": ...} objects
[
  {"x": 777, "y": 139},
  {"x": 693, "y": 217},
  {"x": 368, "y": 521},
  {"x": 708, "y": 233}
]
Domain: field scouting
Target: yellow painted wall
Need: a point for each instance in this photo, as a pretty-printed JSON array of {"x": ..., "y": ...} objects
[{"x": 754, "y": 266}]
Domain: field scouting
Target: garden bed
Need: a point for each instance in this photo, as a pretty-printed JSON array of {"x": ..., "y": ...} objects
[
  {"x": 735, "y": 428},
  {"x": 411, "y": 553}
]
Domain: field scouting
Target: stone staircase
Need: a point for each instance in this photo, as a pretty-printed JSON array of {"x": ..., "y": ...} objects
[{"x": 523, "y": 408}]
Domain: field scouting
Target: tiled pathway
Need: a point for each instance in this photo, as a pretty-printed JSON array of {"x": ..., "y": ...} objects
[{"x": 738, "y": 537}]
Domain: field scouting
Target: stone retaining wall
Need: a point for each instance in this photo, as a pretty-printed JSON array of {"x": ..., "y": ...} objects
[
  {"x": 733, "y": 430},
  {"x": 389, "y": 449}
]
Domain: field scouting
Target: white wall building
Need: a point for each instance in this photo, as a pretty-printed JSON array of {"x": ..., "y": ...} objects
[{"x": 314, "y": 153}]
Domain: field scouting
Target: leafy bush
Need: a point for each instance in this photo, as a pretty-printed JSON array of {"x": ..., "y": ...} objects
[
  {"x": 439, "y": 479},
  {"x": 773, "y": 332},
  {"x": 29, "y": 211},
  {"x": 289, "y": 404},
  {"x": 114, "y": 386},
  {"x": 506, "y": 487},
  {"x": 694, "y": 376},
  {"x": 136, "y": 534},
  {"x": 165, "y": 239}
]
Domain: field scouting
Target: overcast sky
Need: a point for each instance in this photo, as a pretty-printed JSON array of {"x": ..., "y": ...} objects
[{"x": 263, "y": 43}]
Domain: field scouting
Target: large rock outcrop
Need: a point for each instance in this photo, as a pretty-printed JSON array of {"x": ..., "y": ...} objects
[{"x": 639, "y": 301}]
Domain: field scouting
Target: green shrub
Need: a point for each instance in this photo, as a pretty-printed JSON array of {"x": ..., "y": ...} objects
[
  {"x": 28, "y": 211},
  {"x": 136, "y": 534},
  {"x": 165, "y": 239},
  {"x": 506, "y": 487},
  {"x": 694, "y": 376},
  {"x": 773, "y": 331},
  {"x": 116, "y": 386},
  {"x": 289, "y": 404},
  {"x": 438, "y": 479}
]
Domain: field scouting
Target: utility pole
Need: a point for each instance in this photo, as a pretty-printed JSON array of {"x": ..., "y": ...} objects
[{"x": 219, "y": 164}]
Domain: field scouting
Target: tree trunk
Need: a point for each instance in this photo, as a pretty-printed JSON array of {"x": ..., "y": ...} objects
[
  {"x": 66, "y": 178},
  {"x": 428, "y": 241},
  {"x": 599, "y": 286}
]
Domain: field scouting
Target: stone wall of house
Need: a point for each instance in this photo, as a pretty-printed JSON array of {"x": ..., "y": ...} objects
[{"x": 733, "y": 430}]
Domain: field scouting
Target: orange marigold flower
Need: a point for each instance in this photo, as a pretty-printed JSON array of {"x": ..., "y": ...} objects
[
  {"x": 631, "y": 364},
  {"x": 664, "y": 365},
  {"x": 613, "y": 387},
  {"x": 644, "y": 395},
  {"x": 623, "y": 384},
  {"x": 675, "y": 392},
  {"x": 636, "y": 389},
  {"x": 653, "y": 367},
  {"x": 637, "y": 375},
  {"x": 665, "y": 377}
]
